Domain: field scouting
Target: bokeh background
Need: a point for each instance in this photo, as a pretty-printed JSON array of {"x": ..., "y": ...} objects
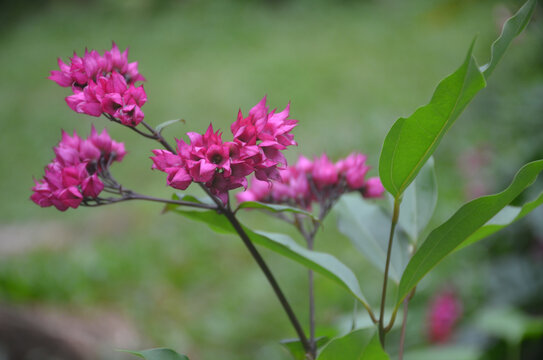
[{"x": 89, "y": 281}]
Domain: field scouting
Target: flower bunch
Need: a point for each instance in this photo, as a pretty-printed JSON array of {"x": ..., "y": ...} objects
[
  {"x": 319, "y": 180},
  {"x": 74, "y": 174},
  {"x": 103, "y": 84},
  {"x": 443, "y": 315},
  {"x": 258, "y": 140}
]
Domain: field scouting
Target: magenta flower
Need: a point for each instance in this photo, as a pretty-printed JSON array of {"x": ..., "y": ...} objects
[
  {"x": 222, "y": 166},
  {"x": 373, "y": 188},
  {"x": 443, "y": 314},
  {"x": 103, "y": 84},
  {"x": 319, "y": 180},
  {"x": 74, "y": 174}
]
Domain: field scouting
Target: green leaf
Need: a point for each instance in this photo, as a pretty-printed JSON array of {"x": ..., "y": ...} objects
[
  {"x": 275, "y": 208},
  {"x": 419, "y": 202},
  {"x": 361, "y": 344},
  {"x": 367, "y": 226},
  {"x": 322, "y": 263},
  {"x": 157, "y": 354},
  {"x": 511, "y": 29},
  {"x": 411, "y": 141},
  {"x": 463, "y": 224},
  {"x": 165, "y": 124},
  {"x": 505, "y": 217},
  {"x": 296, "y": 349}
]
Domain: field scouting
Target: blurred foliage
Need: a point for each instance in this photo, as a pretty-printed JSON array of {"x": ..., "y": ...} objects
[{"x": 349, "y": 68}]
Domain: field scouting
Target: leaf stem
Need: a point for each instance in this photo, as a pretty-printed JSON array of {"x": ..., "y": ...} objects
[{"x": 395, "y": 216}]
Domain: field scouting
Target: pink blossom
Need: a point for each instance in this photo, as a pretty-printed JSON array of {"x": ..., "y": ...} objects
[
  {"x": 373, "y": 188},
  {"x": 324, "y": 172},
  {"x": 317, "y": 180},
  {"x": 224, "y": 165},
  {"x": 73, "y": 176},
  {"x": 103, "y": 84},
  {"x": 81, "y": 70},
  {"x": 354, "y": 169},
  {"x": 444, "y": 312}
]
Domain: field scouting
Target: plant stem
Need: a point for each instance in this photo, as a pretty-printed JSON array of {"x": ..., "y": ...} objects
[
  {"x": 271, "y": 279},
  {"x": 244, "y": 237},
  {"x": 395, "y": 216},
  {"x": 404, "y": 325},
  {"x": 312, "y": 342}
]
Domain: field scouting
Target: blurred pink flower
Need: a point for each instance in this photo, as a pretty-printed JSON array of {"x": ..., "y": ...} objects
[{"x": 443, "y": 314}]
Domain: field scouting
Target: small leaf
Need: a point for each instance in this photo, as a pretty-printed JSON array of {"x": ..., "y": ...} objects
[
  {"x": 411, "y": 141},
  {"x": 463, "y": 224},
  {"x": 157, "y": 354},
  {"x": 165, "y": 124},
  {"x": 419, "y": 202},
  {"x": 505, "y": 217},
  {"x": 360, "y": 344},
  {"x": 275, "y": 208},
  {"x": 368, "y": 227},
  {"x": 322, "y": 263},
  {"x": 296, "y": 349}
]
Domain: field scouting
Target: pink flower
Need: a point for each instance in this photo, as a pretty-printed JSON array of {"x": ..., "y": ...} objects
[
  {"x": 258, "y": 191},
  {"x": 354, "y": 169},
  {"x": 324, "y": 172},
  {"x": 103, "y": 84},
  {"x": 373, "y": 188},
  {"x": 74, "y": 174},
  {"x": 319, "y": 180},
  {"x": 82, "y": 70},
  {"x": 444, "y": 312},
  {"x": 222, "y": 166}
]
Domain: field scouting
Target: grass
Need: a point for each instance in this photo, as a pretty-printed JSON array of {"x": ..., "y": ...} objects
[{"x": 349, "y": 71}]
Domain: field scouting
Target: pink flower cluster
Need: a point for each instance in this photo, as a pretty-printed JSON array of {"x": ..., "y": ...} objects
[
  {"x": 257, "y": 143},
  {"x": 103, "y": 84},
  {"x": 308, "y": 181},
  {"x": 73, "y": 175},
  {"x": 443, "y": 314}
]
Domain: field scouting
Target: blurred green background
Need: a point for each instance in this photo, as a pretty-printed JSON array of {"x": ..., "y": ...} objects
[{"x": 139, "y": 279}]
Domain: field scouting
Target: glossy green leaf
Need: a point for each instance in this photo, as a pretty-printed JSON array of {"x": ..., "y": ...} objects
[
  {"x": 463, "y": 224},
  {"x": 296, "y": 349},
  {"x": 158, "y": 354},
  {"x": 367, "y": 225},
  {"x": 505, "y": 217},
  {"x": 360, "y": 344},
  {"x": 419, "y": 202},
  {"x": 322, "y": 263},
  {"x": 275, "y": 208},
  {"x": 165, "y": 124},
  {"x": 411, "y": 141}
]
